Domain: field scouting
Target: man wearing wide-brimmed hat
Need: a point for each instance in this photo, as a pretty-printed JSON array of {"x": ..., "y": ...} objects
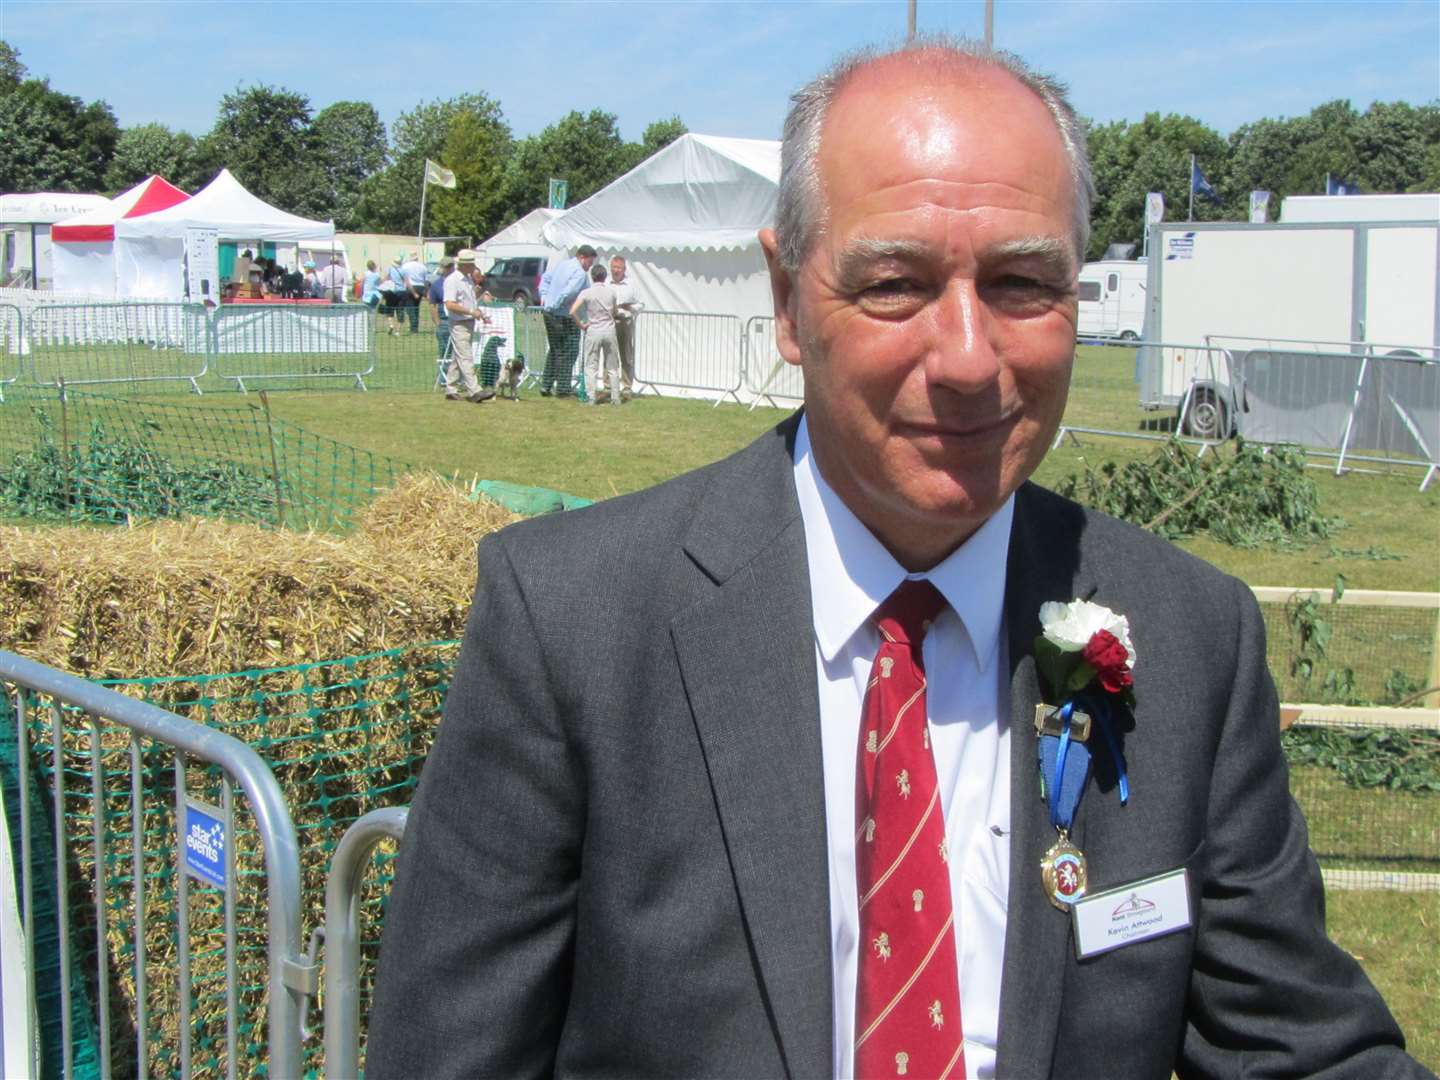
[{"x": 462, "y": 307}]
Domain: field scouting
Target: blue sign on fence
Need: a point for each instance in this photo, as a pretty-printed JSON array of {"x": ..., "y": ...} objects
[{"x": 205, "y": 843}]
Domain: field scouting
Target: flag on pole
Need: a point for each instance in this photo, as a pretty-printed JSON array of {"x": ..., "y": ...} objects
[
  {"x": 1340, "y": 187},
  {"x": 1200, "y": 186},
  {"x": 1154, "y": 208},
  {"x": 437, "y": 174},
  {"x": 1259, "y": 205}
]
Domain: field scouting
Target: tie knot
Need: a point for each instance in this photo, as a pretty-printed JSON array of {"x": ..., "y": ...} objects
[{"x": 906, "y": 614}]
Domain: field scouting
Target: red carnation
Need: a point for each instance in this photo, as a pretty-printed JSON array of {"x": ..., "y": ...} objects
[{"x": 1111, "y": 662}]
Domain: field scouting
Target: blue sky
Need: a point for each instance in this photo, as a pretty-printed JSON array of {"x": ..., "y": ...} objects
[{"x": 724, "y": 67}]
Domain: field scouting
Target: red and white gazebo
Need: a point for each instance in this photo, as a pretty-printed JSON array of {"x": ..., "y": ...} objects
[{"x": 84, "y": 245}]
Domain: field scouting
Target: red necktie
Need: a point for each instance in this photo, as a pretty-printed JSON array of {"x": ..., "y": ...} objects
[{"x": 907, "y": 989}]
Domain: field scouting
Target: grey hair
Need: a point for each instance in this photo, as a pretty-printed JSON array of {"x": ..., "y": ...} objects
[{"x": 800, "y": 212}]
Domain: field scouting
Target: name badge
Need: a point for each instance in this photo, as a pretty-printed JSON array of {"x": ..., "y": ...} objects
[{"x": 1129, "y": 913}]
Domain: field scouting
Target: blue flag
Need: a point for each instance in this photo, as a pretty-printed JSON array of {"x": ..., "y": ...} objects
[
  {"x": 1200, "y": 186},
  {"x": 1340, "y": 187}
]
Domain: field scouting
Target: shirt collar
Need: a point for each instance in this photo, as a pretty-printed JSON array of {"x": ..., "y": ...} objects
[{"x": 854, "y": 572}]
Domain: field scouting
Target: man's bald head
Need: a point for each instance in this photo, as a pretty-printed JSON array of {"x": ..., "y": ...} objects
[{"x": 801, "y": 212}]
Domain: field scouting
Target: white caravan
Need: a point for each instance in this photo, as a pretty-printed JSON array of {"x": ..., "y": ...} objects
[
  {"x": 1112, "y": 300},
  {"x": 1369, "y": 285}
]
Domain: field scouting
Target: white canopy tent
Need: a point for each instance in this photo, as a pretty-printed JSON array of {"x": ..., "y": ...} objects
[
  {"x": 83, "y": 246},
  {"x": 25, "y": 220},
  {"x": 150, "y": 250},
  {"x": 686, "y": 220},
  {"x": 523, "y": 237}
]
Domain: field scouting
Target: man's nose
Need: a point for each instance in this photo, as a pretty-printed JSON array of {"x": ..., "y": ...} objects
[{"x": 962, "y": 355}]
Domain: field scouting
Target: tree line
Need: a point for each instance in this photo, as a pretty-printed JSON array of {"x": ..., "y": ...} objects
[{"x": 342, "y": 163}]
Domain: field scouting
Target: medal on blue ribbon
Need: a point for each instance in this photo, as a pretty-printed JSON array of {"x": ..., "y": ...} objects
[{"x": 1065, "y": 765}]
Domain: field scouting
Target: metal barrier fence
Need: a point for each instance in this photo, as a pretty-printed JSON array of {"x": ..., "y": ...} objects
[
  {"x": 687, "y": 351},
  {"x": 767, "y": 375},
  {"x": 143, "y": 821},
  {"x": 1366, "y": 407},
  {"x": 270, "y": 342},
  {"x": 11, "y": 331},
  {"x": 342, "y": 934},
  {"x": 97, "y": 344}
]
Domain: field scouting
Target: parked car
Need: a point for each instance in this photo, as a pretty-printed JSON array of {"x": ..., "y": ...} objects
[{"x": 516, "y": 278}]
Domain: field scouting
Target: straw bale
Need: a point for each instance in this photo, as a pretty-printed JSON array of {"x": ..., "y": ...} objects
[{"x": 195, "y": 596}]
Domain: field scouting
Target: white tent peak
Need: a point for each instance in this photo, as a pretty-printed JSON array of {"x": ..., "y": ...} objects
[
  {"x": 226, "y": 206},
  {"x": 526, "y": 230},
  {"x": 700, "y": 193}
]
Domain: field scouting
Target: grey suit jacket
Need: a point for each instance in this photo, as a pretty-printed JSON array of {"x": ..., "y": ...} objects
[{"x": 616, "y": 863}]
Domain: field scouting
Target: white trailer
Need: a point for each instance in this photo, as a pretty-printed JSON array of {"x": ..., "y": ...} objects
[
  {"x": 1358, "y": 287},
  {"x": 1112, "y": 300}
]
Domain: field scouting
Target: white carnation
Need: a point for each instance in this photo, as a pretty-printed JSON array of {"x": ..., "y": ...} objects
[{"x": 1071, "y": 626}]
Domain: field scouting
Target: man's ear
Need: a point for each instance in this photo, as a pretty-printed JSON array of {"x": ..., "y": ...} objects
[{"x": 782, "y": 289}]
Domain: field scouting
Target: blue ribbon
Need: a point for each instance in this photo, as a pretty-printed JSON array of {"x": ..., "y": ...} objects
[
  {"x": 1065, "y": 762},
  {"x": 1100, "y": 710}
]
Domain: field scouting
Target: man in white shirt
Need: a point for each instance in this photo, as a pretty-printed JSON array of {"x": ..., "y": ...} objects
[
  {"x": 627, "y": 306},
  {"x": 415, "y": 275},
  {"x": 643, "y": 844},
  {"x": 332, "y": 280},
  {"x": 463, "y": 308}
]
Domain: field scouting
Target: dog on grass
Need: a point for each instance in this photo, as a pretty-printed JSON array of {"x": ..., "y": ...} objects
[{"x": 512, "y": 373}]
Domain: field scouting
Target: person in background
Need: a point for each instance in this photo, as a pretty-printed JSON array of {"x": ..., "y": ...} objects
[
  {"x": 243, "y": 262},
  {"x": 559, "y": 287},
  {"x": 436, "y": 296},
  {"x": 598, "y": 322},
  {"x": 463, "y": 308},
  {"x": 395, "y": 293},
  {"x": 416, "y": 277},
  {"x": 333, "y": 280},
  {"x": 626, "y": 308},
  {"x": 312, "y": 288},
  {"x": 370, "y": 286}
]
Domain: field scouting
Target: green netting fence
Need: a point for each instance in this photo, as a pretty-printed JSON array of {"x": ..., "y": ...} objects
[{"x": 71, "y": 456}]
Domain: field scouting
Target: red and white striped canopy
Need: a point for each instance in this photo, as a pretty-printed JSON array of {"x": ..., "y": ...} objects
[{"x": 98, "y": 225}]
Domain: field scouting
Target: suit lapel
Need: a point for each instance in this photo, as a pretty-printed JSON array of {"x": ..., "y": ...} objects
[
  {"x": 747, "y": 657},
  {"x": 1042, "y": 565}
]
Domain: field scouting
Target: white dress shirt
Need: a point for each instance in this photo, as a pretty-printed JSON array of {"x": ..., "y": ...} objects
[{"x": 967, "y": 698}]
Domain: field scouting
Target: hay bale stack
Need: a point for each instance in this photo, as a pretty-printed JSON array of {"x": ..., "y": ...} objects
[{"x": 196, "y": 597}]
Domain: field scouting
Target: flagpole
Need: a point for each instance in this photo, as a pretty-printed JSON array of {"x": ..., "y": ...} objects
[
  {"x": 1190, "y": 214},
  {"x": 424, "y": 186}
]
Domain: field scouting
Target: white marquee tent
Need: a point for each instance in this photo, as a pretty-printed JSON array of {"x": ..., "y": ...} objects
[
  {"x": 150, "y": 250},
  {"x": 686, "y": 220},
  {"x": 523, "y": 237},
  {"x": 83, "y": 246},
  {"x": 25, "y": 220}
]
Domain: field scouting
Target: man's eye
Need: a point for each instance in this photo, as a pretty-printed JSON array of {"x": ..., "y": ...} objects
[{"x": 892, "y": 287}]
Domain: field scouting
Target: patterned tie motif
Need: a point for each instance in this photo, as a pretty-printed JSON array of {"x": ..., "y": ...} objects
[{"x": 907, "y": 992}]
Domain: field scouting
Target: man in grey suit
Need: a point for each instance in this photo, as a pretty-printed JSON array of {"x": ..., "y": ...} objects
[{"x": 634, "y": 847}]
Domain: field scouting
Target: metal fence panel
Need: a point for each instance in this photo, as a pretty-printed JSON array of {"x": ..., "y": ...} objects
[
  {"x": 121, "y": 819},
  {"x": 342, "y": 934},
  {"x": 265, "y": 342},
  {"x": 1341, "y": 402},
  {"x": 132, "y": 342},
  {"x": 689, "y": 351},
  {"x": 767, "y": 376},
  {"x": 12, "y": 333}
]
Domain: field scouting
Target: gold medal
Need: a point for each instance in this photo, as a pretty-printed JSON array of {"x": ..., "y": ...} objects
[{"x": 1063, "y": 872}]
